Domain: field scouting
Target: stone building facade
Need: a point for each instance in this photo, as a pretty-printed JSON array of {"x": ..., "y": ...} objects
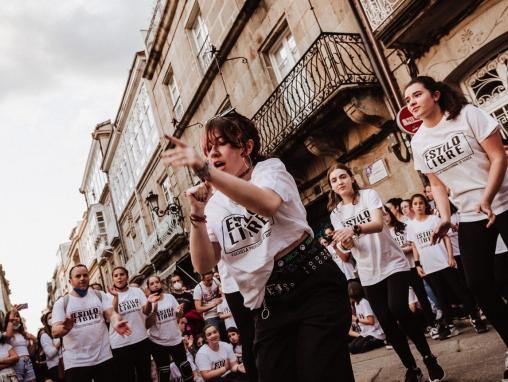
[{"x": 5, "y": 301}]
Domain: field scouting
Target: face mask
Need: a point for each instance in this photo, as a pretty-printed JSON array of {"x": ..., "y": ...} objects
[
  {"x": 16, "y": 325},
  {"x": 50, "y": 321},
  {"x": 157, "y": 292},
  {"x": 177, "y": 286},
  {"x": 81, "y": 292}
]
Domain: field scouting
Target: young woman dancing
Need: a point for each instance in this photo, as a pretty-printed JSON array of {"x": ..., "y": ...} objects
[
  {"x": 459, "y": 148},
  {"x": 256, "y": 224},
  {"x": 357, "y": 216}
]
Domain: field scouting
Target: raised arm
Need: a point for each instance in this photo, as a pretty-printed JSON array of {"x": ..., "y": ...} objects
[{"x": 10, "y": 360}]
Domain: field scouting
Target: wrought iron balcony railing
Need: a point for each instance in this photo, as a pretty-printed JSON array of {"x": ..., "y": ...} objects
[
  {"x": 169, "y": 230},
  {"x": 379, "y": 11},
  {"x": 333, "y": 62}
]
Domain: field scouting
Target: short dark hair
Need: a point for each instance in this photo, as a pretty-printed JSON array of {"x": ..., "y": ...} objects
[
  {"x": 77, "y": 266},
  {"x": 355, "y": 291},
  {"x": 232, "y": 329},
  {"x": 122, "y": 268}
]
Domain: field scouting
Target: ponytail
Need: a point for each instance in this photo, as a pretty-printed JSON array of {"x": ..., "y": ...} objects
[{"x": 451, "y": 99}]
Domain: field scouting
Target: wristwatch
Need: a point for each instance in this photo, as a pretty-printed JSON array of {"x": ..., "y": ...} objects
[{"x": 357, "y": 230}]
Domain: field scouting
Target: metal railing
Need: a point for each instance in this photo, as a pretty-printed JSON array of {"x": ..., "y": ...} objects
[
  {"x": 378, "y": 11},
  {"x": 154, "y": 24},
  {"x": 333, "y": 62},
  {"x": 137, "y": 261},
  {"x": 167, "y": 229}
]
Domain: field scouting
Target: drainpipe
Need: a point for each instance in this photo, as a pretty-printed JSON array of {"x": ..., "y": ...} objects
[{"x": 377, "y": 58}]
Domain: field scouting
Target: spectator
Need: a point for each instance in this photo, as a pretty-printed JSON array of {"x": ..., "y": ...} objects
[
  {"x": 207, "y": 296},
  {"x": 234, "y": 340},
  {"x": 407, "y": 210},
  {"x": 393, "y": 205},
  {"x": 183, "y": 296},
  {"x": 8, "y": 358},
  {"x": 51, "y": 347},
  {"x": 225, "y": 314}
]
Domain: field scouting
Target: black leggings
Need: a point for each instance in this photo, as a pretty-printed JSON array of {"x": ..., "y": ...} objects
[
  {"x": 245, "y": 325},
  {"x": 132, "y": 362},
  {"x": 389, "y": 301},
  {"x": 304, "y": 339},
  {"x": 364, "y": 344},
  {"x": 501, "y": 273},
  {"x": 161, "y": 356},
  {"x": 477, "y": 248},
  {"x": 103, "y": 372},
  {"x": 416, "y": 282}
]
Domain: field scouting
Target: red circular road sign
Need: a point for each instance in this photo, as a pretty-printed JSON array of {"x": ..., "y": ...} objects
[{"x": 407, "y": 122}]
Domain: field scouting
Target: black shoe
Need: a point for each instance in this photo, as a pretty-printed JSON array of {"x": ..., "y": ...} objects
[
  {"x": 448, "y": 331},
  {"x": 479, "y": 326},
  {"x": 436, "y": 372},
  {"x": 414, "y": 375}
]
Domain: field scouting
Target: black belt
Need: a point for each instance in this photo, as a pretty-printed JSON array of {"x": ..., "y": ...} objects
[{"x": 296, "y": 266}]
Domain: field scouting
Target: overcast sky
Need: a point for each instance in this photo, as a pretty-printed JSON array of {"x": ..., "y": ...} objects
[{"x": 63, "y": 67}]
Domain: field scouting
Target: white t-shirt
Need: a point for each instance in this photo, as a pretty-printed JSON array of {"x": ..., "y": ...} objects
[
  {"x": 207, "y": 359},
  {"x": 223, "y": 308},
  {"x": 454, "y": 235},
  {"x": 401, "y": 239},
  {"x": 432, "y": 257},
  {"x": 130, "y": 307},
  {"x": 165, "y": 330},
  {"x": 227, "y": 282},
  {"x": 377, "y": 255},
  {"x": 363, "y": 310},
  {"x": 452, "y": 150},
  {"x": 248, "y": 241},
  {"x": 206, "y": 295},
  {"x": 4, "y": 353},
  {"x": 347, "y": 267},
  {"x": 50, "y": 350},
  {"x": 87, "y": 343},
  {"x": 500, "y": 246},
  {"x": 20, "y": 344}
]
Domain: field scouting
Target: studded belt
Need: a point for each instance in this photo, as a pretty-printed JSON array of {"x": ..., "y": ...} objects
[{"x": 296, "y": 266}]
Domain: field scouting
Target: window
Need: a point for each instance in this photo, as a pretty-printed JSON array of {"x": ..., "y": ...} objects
[
  {"x": 166, "y": 190},
  {"x": 174, "y": 92},
  {"x": 283, "y": 55},
  {"x": 487, "y": 88},
  {"x": 202, "y": 42}
]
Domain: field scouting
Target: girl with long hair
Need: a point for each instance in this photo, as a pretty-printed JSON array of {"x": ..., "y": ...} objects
[
  {"x": 357, "y": 216},
  {"x": 164, "y": 333},
  {"x": 459, "y": 148},
  {"x": 51, "y": 347},
  {"x": 23, "y": 343},
  {"x": 437, "y": 265},
  {"x": 256, "y": 224},
  {"x": 8, "y": 358},
  {"x": 399, "y": 234}
]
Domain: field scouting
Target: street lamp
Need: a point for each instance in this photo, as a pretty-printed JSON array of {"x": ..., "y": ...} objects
[{"x": 172, "y": 209}]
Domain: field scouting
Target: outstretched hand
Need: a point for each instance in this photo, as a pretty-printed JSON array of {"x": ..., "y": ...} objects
[
  {"x": 181, "y": 155},
  {"x": 122, "y": 327}
]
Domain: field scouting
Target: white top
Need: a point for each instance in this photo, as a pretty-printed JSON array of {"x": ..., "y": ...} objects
[
  {"x": 207, "y": 359},
  {"x": 347, "y": 267},
  {"x": 452, "y": 150},
  {"x": 206, "y": 295},
  {"x": 412, "y": 299},
  {"x": 165, "y": 330},
  {"x": 377, "y": 255},
  {"x": 20, "y": 344},
  {"x": 227, "y": 282},
  {"x": 249, "y": 242},
  {"x": 363, "y": 310},
  {"x": 223, "y": 308},
  {"x": 401, "y": 239},
  {"x": 432, "y": 257},
  {"x": 130, "y": 307},
  {"x": 87, "y": 343},
  {"x": 50, "y": 350},
  {"x": 454, "y": 235},
  {"x": 4, "y": 353},
  {"x": 500, "y": 246}
]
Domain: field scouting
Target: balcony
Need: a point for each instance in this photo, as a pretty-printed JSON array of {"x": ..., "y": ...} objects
[
  {"x": 137, "y": 263},
  {"x": 333, "y": 63},
  {"x": 414, "y": 25},
  {"x": 154, "y": 24},
  {"x": 168, "y": 235}
]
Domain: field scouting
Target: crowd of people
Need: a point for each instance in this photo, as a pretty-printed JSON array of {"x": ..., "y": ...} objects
[{"x": 289, "y": 305}]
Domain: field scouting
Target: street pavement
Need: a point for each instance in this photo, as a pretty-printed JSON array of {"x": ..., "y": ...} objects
[{"x": 469, "y": 357}]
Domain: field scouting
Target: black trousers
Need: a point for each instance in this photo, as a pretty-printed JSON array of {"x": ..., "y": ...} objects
[
  {"x": 501, "y": 273},
  {"x": 245, "y": 324},
  {"x": 132, "y": 362},
  {"x": 304, "y": 339},
  {"x": 477, "y": 248},
  {"x": 161, "y": 356},
  {"x": 389, "y": 301},
  {"x": 444, "y": 280},
  {"x": 53, "y": 374},
  {"x": 103, "y": 372},
  {"x": 364, "y": 344},
  {"x": 416, "y": 282}
]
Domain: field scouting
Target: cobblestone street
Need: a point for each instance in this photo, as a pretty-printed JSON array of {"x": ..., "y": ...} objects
[{"x": 466, "y": 358}]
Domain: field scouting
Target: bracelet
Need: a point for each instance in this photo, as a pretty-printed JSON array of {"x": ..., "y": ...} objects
[
  {"x": 417, "y": 263},
  {"x": 203, "y": 172},
  {"x": 197, "y": 218}
]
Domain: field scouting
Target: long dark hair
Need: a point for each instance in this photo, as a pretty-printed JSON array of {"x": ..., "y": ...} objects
[
  {"x": 45, "y": 323},
  {"x": 451, "y": 99},
  {"x": 428, "y": 208},
  {"x": 397, "y": 225},
  {"x": 234, "y": 129},
  {"x": 333, "y": 198},
  {"x": 21, "y": 329}
]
